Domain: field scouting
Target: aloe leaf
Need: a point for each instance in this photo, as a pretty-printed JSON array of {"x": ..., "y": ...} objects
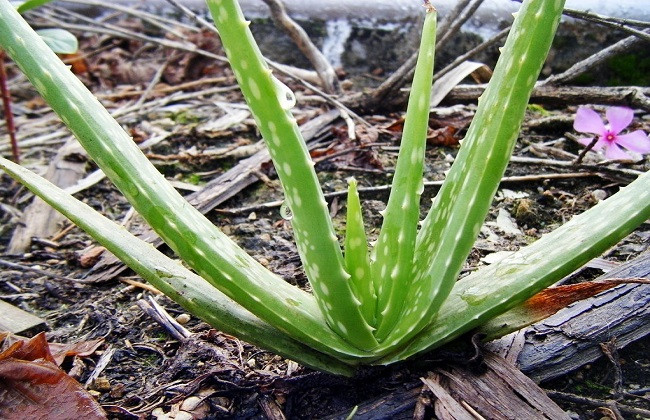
[
  {"x": 393, "y": 255},
  {"x": 270, "y": 102},
  {"x": 186, "y": 288},
  {"x": 192, "y": 236},
  {"x": 492, "y": 290},
  {"x": 357, "y": 258},
  {"x": 460, "y": 207},
  {"x": 31, "y": 4},
  {"x": 59, "y": 40}
]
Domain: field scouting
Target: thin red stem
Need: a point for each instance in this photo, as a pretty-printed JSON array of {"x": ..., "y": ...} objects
[{"x": 6, "y": 102}]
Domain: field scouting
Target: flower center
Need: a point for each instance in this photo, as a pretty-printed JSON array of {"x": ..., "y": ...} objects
[{"x": 610, "y": 137}]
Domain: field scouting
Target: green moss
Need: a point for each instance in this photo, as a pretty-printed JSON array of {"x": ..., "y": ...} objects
[
  {"x": 193, "y": 179},
  {"x": 185, "y": 117},
  {"x": 632, "y": 69},
  {"x": 538, "y": 109}
]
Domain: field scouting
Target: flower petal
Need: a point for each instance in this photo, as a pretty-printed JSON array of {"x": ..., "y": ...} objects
[
  {"x": 619, "y": 117},
  {"x": 636, "y": 141},
  {"x": 588, "y": 121},
  {"x": 586, "y": 141},
  {"x": 616, "y": 153},
  {"x": 600, "y": 144}
]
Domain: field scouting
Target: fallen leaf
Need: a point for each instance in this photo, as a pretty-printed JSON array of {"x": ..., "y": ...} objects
[
  {"x": 32, "y": 386},
  {"x": 443, "y": 136},
  {"x": 82, "y": 349}
]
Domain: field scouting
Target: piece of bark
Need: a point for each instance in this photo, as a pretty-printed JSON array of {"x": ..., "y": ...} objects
[
  {"x": 396, "y": 405},
  {"x": 17, "y": 321},
  {"x": 502, "y": 392},
  {"x": 215, "y": 192},
  {"x": 39, "y": 219}
]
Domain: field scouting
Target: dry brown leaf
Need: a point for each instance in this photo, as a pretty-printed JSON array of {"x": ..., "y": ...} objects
[{"x": 32, "y": 386}]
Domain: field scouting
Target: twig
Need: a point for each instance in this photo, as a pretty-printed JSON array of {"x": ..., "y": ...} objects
[
  {"x": 297, "y": 73},
  {"x": 338, "y": 104},
  {"x": 168, "y": 25},
  {"x": 593, "y": 402},
  {"x": 593, "y": 60},
  {"x": 168, "y": 89},
  {"x": 632, "y": 96},
  {"x": 471, "y": 53},
  {"x": 119, "y": 32},
  {"x": 154, "y": 81},
  {"x": 453, "y": 15},
  {"x": 103, "y": 362},
  {"x": 160, "y": 315},
  {"x": 304, "y": 44},
  {"x": 196, "y": 18},
  {"x": 620, "y": 24},
  {"x": 432, "y": 184},
  {"x": 584, "y": 151},
  {"x": 6, "y": 103},
  {"x": 571, "y": 164},
  {"x": 141, "y": 285},
  {"x": 455, "y": 22},
  {"x": 40, "y": 272},
  {"x": 610, "y": 351}
]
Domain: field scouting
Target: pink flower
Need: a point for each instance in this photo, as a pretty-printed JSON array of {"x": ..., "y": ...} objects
[{"x": 609, "y": 137}]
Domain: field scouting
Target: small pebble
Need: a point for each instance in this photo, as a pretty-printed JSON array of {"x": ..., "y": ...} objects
[
  {"x": 101, "y": 384},
  {"x": 191, "y": 403},
  {"x": 183, "y": 415},
  {"x": 599, "y": 195},
  {"x": 183, "y": 319}
]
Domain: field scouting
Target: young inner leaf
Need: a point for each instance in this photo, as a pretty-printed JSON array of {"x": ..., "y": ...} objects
[
  {"x": 318, "y": 245},
  {"x": 357, "y": 259},
  {"x": 392, "y": 262}
]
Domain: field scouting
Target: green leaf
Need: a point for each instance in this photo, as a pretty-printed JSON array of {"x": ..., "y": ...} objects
[
  {"x": 460, "y": 207},
  {"x": 59, "y": 40},
  {"x": 492, "y": 290},
  {"x": 190, "y": 234},
  {"x": 31, "y": 4},
  {"x": 270, "y": 102},
  {"x": 392, "y": 257},
  {"x": 357, "y": 258},
  {"x": 186, "y": 288}
]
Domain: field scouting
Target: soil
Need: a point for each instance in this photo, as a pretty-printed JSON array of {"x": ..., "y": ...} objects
[{"x": 150, "y": 372}]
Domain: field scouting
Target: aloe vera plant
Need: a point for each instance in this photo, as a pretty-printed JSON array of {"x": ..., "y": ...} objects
[{"x": 368, "y": 306}]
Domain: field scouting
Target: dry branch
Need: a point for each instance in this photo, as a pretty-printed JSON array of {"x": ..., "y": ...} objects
[
  {"x": 632, "y": 96},
  {"x": 304, "y": 44}
]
